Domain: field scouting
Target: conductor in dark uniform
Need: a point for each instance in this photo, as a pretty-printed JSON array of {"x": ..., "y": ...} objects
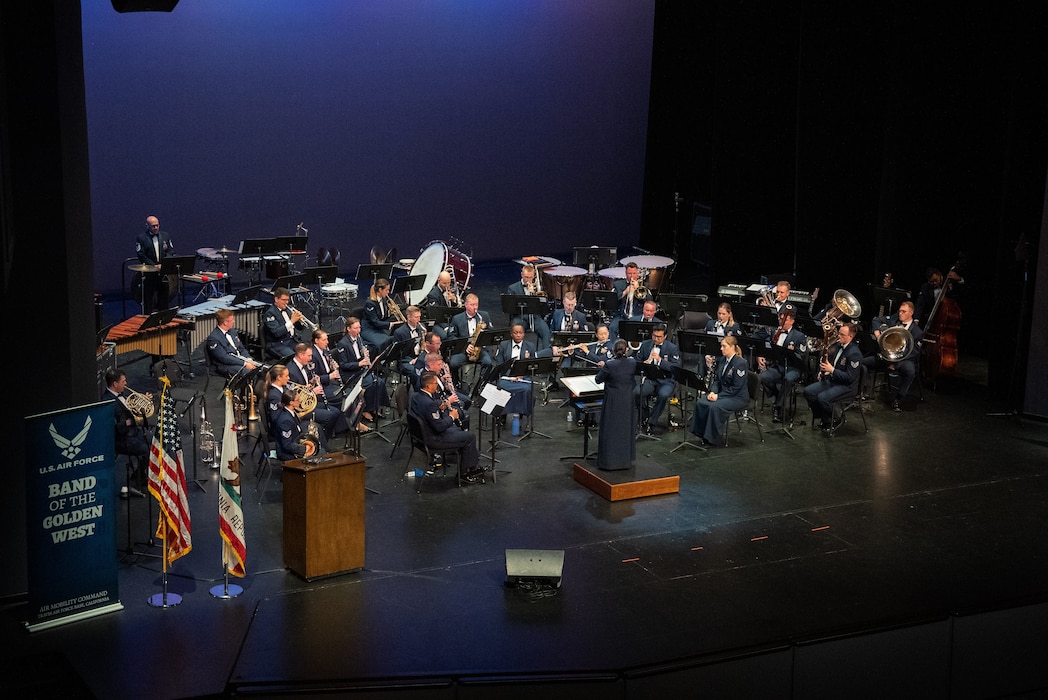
[
  {"x": 839, "y": 375},
  {"x": 617, "y": 447},
  {"x": 152, "y": 246},
  {"x": 438, "y": 423}
]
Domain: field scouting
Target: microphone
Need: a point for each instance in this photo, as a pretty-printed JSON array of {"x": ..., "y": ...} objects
[{"x": 642, "y": 250}]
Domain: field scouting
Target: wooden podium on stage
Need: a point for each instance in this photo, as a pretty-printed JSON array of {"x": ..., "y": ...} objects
[{"x": 324, "y": 516}]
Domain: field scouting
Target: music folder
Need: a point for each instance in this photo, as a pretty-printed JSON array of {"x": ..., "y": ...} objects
[{"x": 158, "y": 318}]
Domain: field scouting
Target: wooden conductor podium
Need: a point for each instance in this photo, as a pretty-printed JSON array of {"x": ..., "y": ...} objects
[{"x": 324, "y": 516}]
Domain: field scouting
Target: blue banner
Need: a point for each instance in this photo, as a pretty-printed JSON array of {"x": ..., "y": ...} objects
[{"x": 71, "y": 499}]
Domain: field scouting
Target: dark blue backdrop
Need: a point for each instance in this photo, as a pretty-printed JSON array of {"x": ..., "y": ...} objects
[{"x": 517, "y": 126}]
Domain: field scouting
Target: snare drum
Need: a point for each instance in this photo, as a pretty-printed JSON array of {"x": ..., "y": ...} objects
[
  {"x": 434, "y": 259},
  {"x": 338, "y": 293},
  {"x": 659, "y": 270},
  {"x": 562, "y": 278},
  {"x": 609, "y": 275}
]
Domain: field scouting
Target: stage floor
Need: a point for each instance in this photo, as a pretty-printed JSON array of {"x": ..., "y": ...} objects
[{"x": 935, "y": 511}]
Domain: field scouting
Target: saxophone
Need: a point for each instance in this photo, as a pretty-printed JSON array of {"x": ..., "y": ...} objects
[{"x": 474, "y": 354}]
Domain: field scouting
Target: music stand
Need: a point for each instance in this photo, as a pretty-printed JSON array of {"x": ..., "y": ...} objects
[
  {"x": 494, "y": 405},
  {"x": 809, "y": 327},
  {"x": 453, "y": 346},
  {"x": 157, "y": 319},
  {"x": 442, "y": 315},
  {"x": 246, "y": 294},
  {"x": 563, "y": 339},
  {"x": 775, "y": 356},
  {"x": 532, "y": 366},
  {"x": 403, "y": 285},
  {"x": 374, "y": 272},
  {"x": 600, "y": 301},
  {"x": 321, "y": 274},
  {"x": 888, "y": 297},
  {"x": 749, "y": 347},
  {"x": 178, "y": 265},
  {"x": 699, "y": 343},
  {"x": 588, "y": 397},
  {"x": 289, "y": 282},
  {"x": 291, "y": 244},
  {"x": 691, "y": 380},
  {"x": 758, "y": 314},
  {"x": 646, "y": 372},
  {"x": 524, "y": 305},
  {"x": 636, "y": 331},
  {"x": 595, "y": 257},
  {"x": 676, "y": 305}
]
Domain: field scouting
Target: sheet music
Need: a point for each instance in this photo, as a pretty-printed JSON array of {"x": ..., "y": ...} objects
[
  {"x": 493, "y": 396},
  {"x": 582, "y": 385}
]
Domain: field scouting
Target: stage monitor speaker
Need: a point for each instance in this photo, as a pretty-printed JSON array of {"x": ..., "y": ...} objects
[
  {"x": 545, "y": 565},
  {"x": 144, "y": 5}
]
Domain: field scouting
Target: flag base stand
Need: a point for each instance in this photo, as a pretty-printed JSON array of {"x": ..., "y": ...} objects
[
  {"x": 226, "y": 591},
  {"x": 164, "y": 600}
]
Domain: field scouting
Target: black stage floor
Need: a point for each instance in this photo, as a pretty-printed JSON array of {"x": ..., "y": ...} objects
[{"x": 906, "y": 561}]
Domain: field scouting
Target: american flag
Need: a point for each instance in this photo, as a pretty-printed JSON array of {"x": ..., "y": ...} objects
[
  {"x": 167, "y": 480},
  {"x": 230, "y": 508}
]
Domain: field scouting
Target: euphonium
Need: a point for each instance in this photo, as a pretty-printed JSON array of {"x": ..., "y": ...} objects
[
  {"x": 844, "y": 304},
  {"x": 141, "y": 405},
  {"x": 895, "y": 343},
  {"x": 307, "y": 400}
]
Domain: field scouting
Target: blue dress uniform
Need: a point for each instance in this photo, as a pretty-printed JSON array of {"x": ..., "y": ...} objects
[
  {"x": 520, "y": 401},
  {"x": 731, "y": 385},
  {"x": 907, "y": 366},
  {"x": 325, "y": 416},
  {"x": 617, "y": 447},
  {"x": 715, "y": 327},
  {"x": 532, "y": 322},
  {"x": 669, "y": 357},
  {"x": 221, "y": 350},
  {"x": 820, "y": 395},
  {"x": 404, "y": 332},
  {"x": 796, "y": 345},
  {"x": 436, "y": 298},
  {"x": 287, "y": 429},
  {"x": 280, "y": 342},
  {"x": 376, "y": 325},
  {"x": 460, "y": 329},
  {"x": 154, "y": 287},
  {"x": 348, "y": 354},
  {"x": 442, "y": 433}
]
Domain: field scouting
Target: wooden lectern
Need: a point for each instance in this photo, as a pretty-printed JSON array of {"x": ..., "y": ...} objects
[{"x": 324, "y": 516}]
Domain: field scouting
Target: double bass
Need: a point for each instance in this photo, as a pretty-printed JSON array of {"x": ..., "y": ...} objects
[{"x": 939, "y": 345}]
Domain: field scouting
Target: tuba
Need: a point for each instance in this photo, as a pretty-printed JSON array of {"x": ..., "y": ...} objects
[
  {"x": 895, "y": 343},
  {"x": 844, "y": 304}
]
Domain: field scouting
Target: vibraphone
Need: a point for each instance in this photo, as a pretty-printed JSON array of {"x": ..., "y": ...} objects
[
  {"x": 202, "y": 317},
  {"x": 161, "y": 340}
]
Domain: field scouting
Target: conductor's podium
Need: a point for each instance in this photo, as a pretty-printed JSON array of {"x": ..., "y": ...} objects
[{"x": 324, "y": 516}]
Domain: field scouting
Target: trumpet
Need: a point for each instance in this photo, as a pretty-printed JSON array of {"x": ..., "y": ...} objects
[
  {"x": 140, "y": 405},
  {"x": 302, "y": 317}
]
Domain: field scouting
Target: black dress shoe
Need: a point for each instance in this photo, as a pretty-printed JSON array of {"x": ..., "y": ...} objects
[
  {"x": 776, "y": 415},
  {"x": 895, "y": 406}
]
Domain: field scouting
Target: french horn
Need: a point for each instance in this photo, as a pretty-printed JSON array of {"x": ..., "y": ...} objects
[{"x": 307, "y": 400}]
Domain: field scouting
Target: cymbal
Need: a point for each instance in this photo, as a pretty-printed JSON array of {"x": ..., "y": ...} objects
[
  {"x": 142, "y": 268},
  {"x": 225, "y": 251},
  {"x": 206, "y": 251}
]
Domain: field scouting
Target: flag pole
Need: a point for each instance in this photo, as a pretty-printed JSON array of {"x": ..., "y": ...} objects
[{"x": 164, "y": 599}]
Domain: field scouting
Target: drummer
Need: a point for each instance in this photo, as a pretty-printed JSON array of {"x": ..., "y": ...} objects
[
  {"x": 630, "y": 303},
  {"x": 152, "y": 246},
  {"x": 528, "y": 286}
]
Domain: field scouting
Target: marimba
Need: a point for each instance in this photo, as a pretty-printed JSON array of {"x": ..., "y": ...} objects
[
  {"x": 202, "y": 316},
  {"x": 161, "y": 340}
]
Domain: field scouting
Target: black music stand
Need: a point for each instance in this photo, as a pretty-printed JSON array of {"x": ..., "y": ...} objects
[
  {"x": 691, "y": 380},
  {"x": 562, "y": 339},
  {"x": 758, "y": 314},
  {"x": 676, "y": 305},
  {"x": 157, "y": 319},
  {"x": 291, "y": 244},
  {"x": 775, "y": 356},
  {"x": 749, "y": 347},
  {"x": 403, "y": 285},
  {"x": 178, "y": 265},
  {"x": 587, "y": 402},
  {"x": 532, "y": 366},
  {"x": 595, "y": 258},
  {"x": 374, "y": 272},
  {"x": 256, "y": 248},
  {"x": 602, "y": 302},
  {"x": 320, "y": 275},
  {"x": 888, "y": 297},
  {"x": 442, "y": 315},
  {"x": 699, "y": 343},
  {"x": 246, "y": 294},
  {"x": 453, "y": 346},
  {"x": 636, "y": 331},
  {"x": 646, "y": 372},
  {"x": 521, "y": 305},
  {"x": 289, "y": 282}
]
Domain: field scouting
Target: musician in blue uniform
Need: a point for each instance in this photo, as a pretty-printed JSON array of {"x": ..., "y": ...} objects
[
  {"x": 569, "y": 319},
  {"x": 517, "y": 348},
  {"x": 778, "y": 379},
  {"x": 413, "y": 330},
  {"x": 279, "y": 324},
  {"x": 724, "y": 323},
  {"x": 906, "y": 366},
  {"x": 287, "y": 428},
  {"x": 528, "y": 286},
  {"x": 839, "y": 375},
  {"x": 354, "y": 363},
  {"x": 617, "y": 446},
  {"x": 729, "y": 392},
  {"x": 464, "y": 325},
  {"x": 129, "y": 438},
  {"x": 443, "y": 294},
  {"x": 446, "y": 387},
  {"x": 438, "y": 425},
  {"x": 601, "y": 350},
  {"x": 152, "y": 246},
  {"x": 325, "y": 366},
  {"x": 228, "y": 354},
  {"x": 631, "y": 300},
  {"x": 648, "y": 313},
  {"x": 302, "y": 370},
  {"x": 658, "y": 351},
  {"x": 379, "y": 320}
]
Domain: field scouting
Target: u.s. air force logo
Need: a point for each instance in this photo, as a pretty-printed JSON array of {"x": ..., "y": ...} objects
[{"x": 70, "y": 448}]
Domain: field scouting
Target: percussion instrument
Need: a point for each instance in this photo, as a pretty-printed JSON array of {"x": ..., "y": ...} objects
[
  {"x": 202, "y": 316},
  {"x": 609, "y": 275},
  {"x": 211, "y": 254},
  {"x": 338, "y": 293},
  {"x": 406, "y": 263},
  {"x": 142, "y": 268},
  {"x": 559, "y": 279},
  {"x": 434, "y": 259},
  {"x": 276, "y": 267},
  {"x": 659, "y": 270},
  {"x": 159, "y": 340}
]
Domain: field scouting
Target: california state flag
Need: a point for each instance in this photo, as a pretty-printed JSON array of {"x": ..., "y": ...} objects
[{"x": 230, "y": 509}]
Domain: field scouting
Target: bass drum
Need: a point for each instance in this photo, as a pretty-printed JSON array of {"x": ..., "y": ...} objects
[{"x": 434, "y": 259}]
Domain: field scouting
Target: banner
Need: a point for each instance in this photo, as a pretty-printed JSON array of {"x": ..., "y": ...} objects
[{"x": 71, "y": 497}]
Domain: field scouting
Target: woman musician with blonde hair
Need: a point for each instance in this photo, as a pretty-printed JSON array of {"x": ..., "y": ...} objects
[
  {"x": 378, "y": 321},
  {"x": 729, "y": 392},
  {"x": 724, "y": 323}
]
